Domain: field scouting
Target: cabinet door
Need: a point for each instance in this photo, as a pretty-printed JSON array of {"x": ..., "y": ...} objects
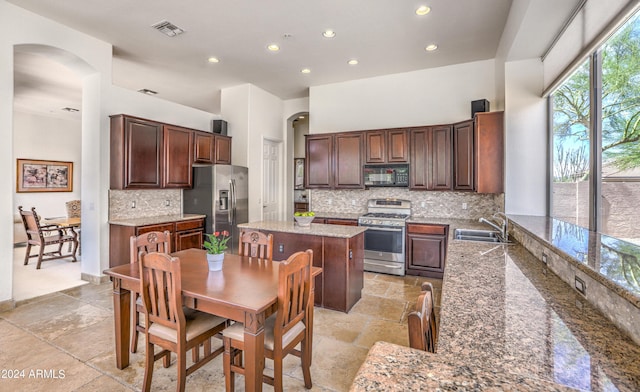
[
  {"x": 136, "y": 153},
  {"x": 203, "y": 148},
  {"x": 376, "y": 147},
  {"x": 301, "y": 207},
  {"x": 397, "y": 146},
  {"x": 441, "y": 157},
  {"x": 463, "y": 156},
  {"x": 425, "y": 255},
  {"x": 178, "y": 153},
  {"x": 348, "y": 160},
  {"x": 319, "y": 162},
  {"x": 188, "y": 240},
  {"x": 343, "y": 222},
  {"x": 489, "y": 152},
  {"x": 222, "y": 150},
  {"x": 420, "y": 165}
]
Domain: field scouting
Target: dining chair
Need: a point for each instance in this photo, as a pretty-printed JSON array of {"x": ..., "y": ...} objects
[
  {"x": 168, "y": 324},
  {"x": 255, "y": 244},
  {"x": 73, "y": 209},
  {"x": 153, "y": 241},
  {"x": 284, "y": 330},
  {"x": 422, "y": 322},
  {"x": 45, "y": 235}
]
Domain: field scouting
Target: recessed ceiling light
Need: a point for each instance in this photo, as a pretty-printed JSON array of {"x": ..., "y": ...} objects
[
  {"x": 213, "y": 60},
  {"x": 423, "y": 10},
  {"x": 273, "y": 47},
  {"x": 305, "y": 70},
  {"x": 328, "y": 33},
  {"x": 431, "y": 48},
  {"x": 352, "y": 62},
  {"x": 301, "y": 117},
  {"x": 147, "y": 91}
]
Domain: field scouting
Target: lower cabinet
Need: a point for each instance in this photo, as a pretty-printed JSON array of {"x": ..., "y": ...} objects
[
  {"x": 426, "y": 248},
  {"x": 185, "y": 234},
  {"x": 340, "y": 284}
]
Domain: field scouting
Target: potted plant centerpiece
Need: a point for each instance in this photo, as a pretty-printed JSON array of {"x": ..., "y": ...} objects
[{"x": 216, "y": 244}]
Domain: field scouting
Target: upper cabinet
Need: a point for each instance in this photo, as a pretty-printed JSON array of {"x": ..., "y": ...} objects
[
  {"x": 136, "y": 153},
  {"x": 177, "y": 157},
  {"x": 387, "y": 146},
  {"x": 430, "y": 156},
  {"x": 147, "y": 154},
  {"x": 334, "y": 161},
  {"x": 478, "y": 153}
]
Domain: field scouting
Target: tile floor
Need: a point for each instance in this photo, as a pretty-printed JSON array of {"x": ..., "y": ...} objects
[{"x": 64, "y": 342}]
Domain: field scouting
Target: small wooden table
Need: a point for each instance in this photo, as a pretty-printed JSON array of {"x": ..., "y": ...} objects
[
  {"x": 246, "y": 290},
  {"x": 70, "y": 223}
]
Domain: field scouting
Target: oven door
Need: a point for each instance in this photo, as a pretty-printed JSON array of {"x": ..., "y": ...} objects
[{"x": 384, "y": 239}]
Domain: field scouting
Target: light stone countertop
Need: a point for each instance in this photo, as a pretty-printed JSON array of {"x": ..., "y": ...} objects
[
  {"x": 314, "y": 229},
  {"x": 154, "y": 220},
  {"x": 508, "y": 323}
]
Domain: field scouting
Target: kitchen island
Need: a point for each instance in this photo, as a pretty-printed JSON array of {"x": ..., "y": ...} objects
[
  {"x": 338, "y": 250},
  {"x": 508, "y": 323}
]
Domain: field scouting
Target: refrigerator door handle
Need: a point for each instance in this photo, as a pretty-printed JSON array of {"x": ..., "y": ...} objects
[{"x": 232, "y": 203}]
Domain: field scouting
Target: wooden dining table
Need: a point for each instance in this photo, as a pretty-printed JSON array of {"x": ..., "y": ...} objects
[{"x": 245, "y": 290}]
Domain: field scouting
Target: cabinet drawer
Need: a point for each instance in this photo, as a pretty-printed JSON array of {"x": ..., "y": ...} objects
[
  {"x": 188, "y": 225},
  {"x": 343, "y": 222},
  {"x": 159, "y": 227},
  {"x": 426, "y": 229}
]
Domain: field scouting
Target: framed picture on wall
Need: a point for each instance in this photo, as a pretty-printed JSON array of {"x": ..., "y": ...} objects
[
  {"x": 44, "y": 176},
  {"x": 298, "y": 173}
]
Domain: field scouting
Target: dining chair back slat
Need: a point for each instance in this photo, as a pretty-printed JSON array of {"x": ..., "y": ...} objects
[{"x": 256, "y": 244}]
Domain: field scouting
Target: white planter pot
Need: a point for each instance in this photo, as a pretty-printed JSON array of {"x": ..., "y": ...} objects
[{"x": 215, "y": 261}]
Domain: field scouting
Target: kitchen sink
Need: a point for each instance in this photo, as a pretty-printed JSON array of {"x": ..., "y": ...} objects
[{"x": 477, "y": 235}]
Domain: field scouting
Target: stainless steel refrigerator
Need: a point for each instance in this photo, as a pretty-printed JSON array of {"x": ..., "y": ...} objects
[{"x": 221, "y": 192}]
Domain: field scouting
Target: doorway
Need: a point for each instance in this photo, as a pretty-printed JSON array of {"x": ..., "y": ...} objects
[{"x": 272, "y": 180}]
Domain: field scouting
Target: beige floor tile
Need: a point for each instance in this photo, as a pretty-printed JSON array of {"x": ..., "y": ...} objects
[
  {"x": 104, "y": 384},
  {"x": 90, "y": 341},
  {"x": 384, "y": 308},
  {"x": 337, "y": 325},
  {"x": 382, "y": 330}
]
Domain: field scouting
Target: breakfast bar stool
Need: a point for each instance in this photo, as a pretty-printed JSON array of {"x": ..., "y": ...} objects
[{"x": 422, "y": 321}]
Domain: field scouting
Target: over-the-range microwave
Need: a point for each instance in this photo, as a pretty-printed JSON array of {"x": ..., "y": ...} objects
[{"x": 386, "y": 175}]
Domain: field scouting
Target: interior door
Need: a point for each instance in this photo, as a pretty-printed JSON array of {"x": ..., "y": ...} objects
[{"x": 272, "y": 180}]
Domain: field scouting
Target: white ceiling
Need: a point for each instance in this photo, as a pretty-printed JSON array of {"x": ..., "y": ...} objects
[{"x": 385, "y": 36}]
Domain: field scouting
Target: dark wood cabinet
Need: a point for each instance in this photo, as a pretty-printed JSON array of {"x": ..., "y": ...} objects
[
  {"x": 426, "y": 249},
  {"x": 222, "y": 150},
  {"x": 334, "y": 161},
  {"x": 387, "y": 146},
  {"x": 319, "y": 161},
  {"x": 430, "y": 157},
  {"x": 489, "y": 152},
  {"x": 340, "y": 284},
  {"x": 301, "y": 207},
  {"x": 348, "y": 160},
  {"x": 177, "y": 157},
  {"x": 463, "y": 151},
  {"x": 340, "y": 221},
  {"x": 203, "y": 147},
  {"x": 136, "y": 153},
  {"x": 185, "y": 234},
  {"x": 479, "y": 153}
]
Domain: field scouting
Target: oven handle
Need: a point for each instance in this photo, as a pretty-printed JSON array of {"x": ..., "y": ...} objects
[
  {"x": 394, "y": 266},
  {"x": 382, "y": 228}
]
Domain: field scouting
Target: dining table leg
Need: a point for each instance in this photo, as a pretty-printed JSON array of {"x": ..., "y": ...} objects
[
  {"x": 253, "y": 353},
  {"x": 122, "y": 320}
]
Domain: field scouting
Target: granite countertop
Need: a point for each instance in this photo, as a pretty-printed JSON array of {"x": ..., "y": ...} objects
[
  {"x": 154, "y": 220},
  {"x": 314, "y": 229},
  {"x": 508, "y": 323}
]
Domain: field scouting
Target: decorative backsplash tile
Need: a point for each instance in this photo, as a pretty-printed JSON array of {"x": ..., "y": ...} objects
[
  {"x": 143, "y": 203},
  {"x": 423, "y": 203}
]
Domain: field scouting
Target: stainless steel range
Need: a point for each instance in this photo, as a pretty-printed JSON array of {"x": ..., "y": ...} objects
[{"x": 384, "y": 239}]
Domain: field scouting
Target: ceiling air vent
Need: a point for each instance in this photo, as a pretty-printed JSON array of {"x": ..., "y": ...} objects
[{"x": 167, "y": 28}]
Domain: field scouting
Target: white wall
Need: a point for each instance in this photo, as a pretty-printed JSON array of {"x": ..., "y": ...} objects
[
  {"x": 47, "y": 138},
  {"x": 234, "y": 109},
  {"x": 526, "y": 139},
  {"x": 430, "y": 96},
  {"x": 300, "y": 128}
]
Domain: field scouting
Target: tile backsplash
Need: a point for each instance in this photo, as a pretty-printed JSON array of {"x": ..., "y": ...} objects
[
  {"x": 434, "y": 204},
  {"x": 144, "y": 203}
]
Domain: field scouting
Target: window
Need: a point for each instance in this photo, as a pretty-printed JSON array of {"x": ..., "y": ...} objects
[{"x": 616, "y": 132}]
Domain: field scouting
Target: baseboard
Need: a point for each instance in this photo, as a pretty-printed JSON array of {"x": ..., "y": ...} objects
[
  {"x": 94, "y": 279},
  {"x": 7, "y": 305}
]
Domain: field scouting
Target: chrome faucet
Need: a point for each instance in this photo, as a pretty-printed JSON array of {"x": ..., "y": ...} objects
[{"x": 503, "y": 228}]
